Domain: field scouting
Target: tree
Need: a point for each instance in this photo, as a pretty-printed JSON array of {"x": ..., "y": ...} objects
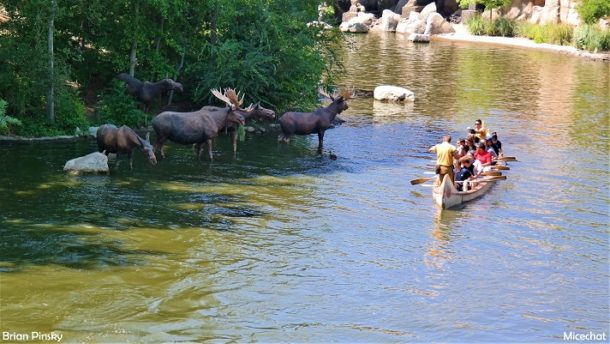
[{"x": 489, "y": 4}]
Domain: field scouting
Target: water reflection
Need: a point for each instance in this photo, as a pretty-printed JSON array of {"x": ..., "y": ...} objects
[{"x": 281, "y": 244}]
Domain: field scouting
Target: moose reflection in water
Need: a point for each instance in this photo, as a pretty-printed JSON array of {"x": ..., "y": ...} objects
[
  {"x": 199, "y": 126},
  {"x": 305, "y": 123},
  {"x": 123, "y": 140}
]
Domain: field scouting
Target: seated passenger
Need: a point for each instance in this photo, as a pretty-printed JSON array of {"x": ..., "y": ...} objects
[
  {"x": 480, "y": 131},
  {"x": 464, "y": 174},
  {"x": 496, "y": 143},
  {"x": 483, "y": 159}
]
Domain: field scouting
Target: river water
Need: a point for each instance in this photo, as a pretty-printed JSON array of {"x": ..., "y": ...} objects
[{"x": 279, "y": 244}]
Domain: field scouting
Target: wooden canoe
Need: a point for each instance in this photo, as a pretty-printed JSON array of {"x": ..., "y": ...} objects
[{"x": 447, "y": 196}]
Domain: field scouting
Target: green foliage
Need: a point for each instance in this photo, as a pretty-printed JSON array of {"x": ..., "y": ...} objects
[
  {"x": 592, "y": 10},
  {"x": 489, "y": 4},
  {"x": 119, "y": 108},
  {"x": 477, "y": 25},
  {"x": 260, "y": 47},
  {"x": 241, "y": 132},
  {"x": 592, "y": 38},
  {"x": 548, "y": 33},
  {"x": 5, "y": 120},
  {"x": 504, "y": 27}
]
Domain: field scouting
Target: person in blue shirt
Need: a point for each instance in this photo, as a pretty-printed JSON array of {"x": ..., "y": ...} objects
[{"x": 465, "y": 172}]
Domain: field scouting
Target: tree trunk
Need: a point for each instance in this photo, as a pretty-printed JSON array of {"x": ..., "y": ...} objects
[
  {"x": 51, "y": 91},
  {"x": 134, "y": 44},
  {"x": 171, "y": 93}
]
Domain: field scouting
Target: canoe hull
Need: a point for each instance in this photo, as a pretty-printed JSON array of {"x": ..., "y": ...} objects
[{"x": 447, "y": 196}]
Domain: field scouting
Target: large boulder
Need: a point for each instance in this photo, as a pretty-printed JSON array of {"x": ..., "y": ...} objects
[
  {"x": 393, "y": 93},
  {"x": 389, "y": 21},
  {"x": 419, "y": 38},
  {"x": 536, "y": 14},
  {"x": 550, "y": 12},
  {"x": 412, "y": 25},
  {"x": 431, "y": 8},
  {"x": 360, "y": 23},
  {"x": 436, "y": 24},
  {"x": 91, "y": 163}
]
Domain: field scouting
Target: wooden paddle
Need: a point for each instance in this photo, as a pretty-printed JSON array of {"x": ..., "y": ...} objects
[
  {"x": 500, "y": 167},
  {"x": 420, "y": 180},
  {"x": 491, "y": 173},
  {"x": 506, "y": 158}
]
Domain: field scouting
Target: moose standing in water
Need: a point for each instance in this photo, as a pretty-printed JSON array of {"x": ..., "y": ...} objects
[
  {"x": 123, "y": 140},
  {"x": 147, "y": 91},
  {"x": 305, "y": 123},
  {"x": 199, "y": 126},
  {"x": 254, "y": 111}
]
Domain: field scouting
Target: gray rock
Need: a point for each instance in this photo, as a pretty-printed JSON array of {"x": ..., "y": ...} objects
[
  {"x": 436, "y": 24},
  {"x": 250, "y": 129},
  {"x": 411, "y": 26},
  {"x": 431, "y": 8},
  {"x": 93, "y": 131},
  {"x": 419, "y": 38},
  {"x": 393, "y": 93},
  {"x": 360, "y": 23},
  {"x": 92, "y": 163},
  {"x": 389, "y": 21}
]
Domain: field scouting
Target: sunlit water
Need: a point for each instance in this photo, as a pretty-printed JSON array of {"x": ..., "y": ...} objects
[{"x": 279, "y": 244}]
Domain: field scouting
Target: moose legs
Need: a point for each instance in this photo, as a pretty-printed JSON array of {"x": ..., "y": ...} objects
[
  {"x": 199, "y": 150},
  {"x": 320, "y": 141}
]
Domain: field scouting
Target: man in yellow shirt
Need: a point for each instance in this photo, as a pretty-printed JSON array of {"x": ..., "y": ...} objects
[{"x": 445, "y": 152}]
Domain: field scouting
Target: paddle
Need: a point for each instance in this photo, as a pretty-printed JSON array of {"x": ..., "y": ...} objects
[
  {"x": 420, "y": 180},
  {"x": 491, "y": 173},
  {"x": 506, "y": 158},
  {"x": 500, "y": 167}
]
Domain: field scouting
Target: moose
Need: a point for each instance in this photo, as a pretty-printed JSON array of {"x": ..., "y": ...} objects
[
  {"x": 254, "y": 111},
  {"x": 305, "y": 123},
  {"x": 199, "y": 126},
  {"x": 123, "y": 140},
  {"x": 147, "y": 91}
]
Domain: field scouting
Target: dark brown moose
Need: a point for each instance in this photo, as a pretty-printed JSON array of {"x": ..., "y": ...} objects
[
  {"x": 305, "y": 123},
  {"x": 254, "y": 111},
  {"x": 199, "y": 126},
  {"x": 147, "y": 91},
  {"x": 123, "y": 140}
]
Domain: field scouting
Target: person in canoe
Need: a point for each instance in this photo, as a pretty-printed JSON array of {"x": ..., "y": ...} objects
[
  {"x": 483, "y": 159},
  {"x": 465, "y": 173},
  {"x": 445, "y": 153},
  {"x": 480, "y": 130}
]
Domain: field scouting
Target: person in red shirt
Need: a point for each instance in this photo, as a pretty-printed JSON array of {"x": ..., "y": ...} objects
[{"x": 483, "y": 157}]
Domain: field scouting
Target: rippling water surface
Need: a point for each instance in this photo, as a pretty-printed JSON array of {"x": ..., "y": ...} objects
[{"x": 280, "y": 244}]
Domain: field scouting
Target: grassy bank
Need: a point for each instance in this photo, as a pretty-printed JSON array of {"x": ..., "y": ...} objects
[{"x": 588, "y": 37}]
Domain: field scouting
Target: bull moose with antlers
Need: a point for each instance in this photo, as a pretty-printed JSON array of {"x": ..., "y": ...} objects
[
  {"x": 305, "y": 123},
  {"x": 198, "y": 127},
  {"x": 254, "y": 111}
]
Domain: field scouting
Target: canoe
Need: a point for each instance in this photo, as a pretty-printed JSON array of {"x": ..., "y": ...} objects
[{"x": 447, "y": 196}]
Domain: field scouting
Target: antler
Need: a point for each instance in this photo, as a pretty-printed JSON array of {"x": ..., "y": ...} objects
[
  {"x": 249, "y": 108},
  {"x": 229, "y": 96},
  {"x": 324, "y": 93},
  {"x": 234, "y": 96},
  {"x": 346, "y": 93}
]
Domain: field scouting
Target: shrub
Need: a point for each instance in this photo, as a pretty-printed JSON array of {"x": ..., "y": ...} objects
[
  {"x": 591, "y": 10},
  {"x": 592, "y": 38},
  {"x": 119, "y": 108},
  {"x": 477, "y": 25},
  {"x": 5, "y": 120},
  {"x": 503, "y": 27},
  {"x": 548, "y": 33}
]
